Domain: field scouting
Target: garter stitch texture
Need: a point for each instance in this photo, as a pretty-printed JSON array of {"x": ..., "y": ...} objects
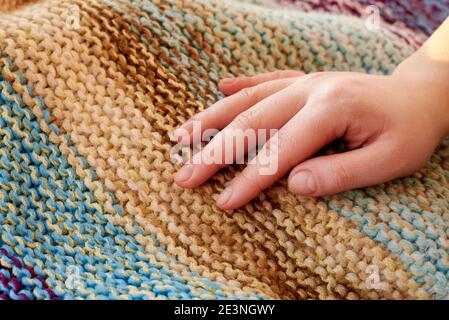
[{"x": 88, "y": 207}]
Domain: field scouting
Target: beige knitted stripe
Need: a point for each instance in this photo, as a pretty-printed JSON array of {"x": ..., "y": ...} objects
[
  {"x": 201, "y": 232},
  {"x": 208, "y": 255},
  {"x": 29, "y": 62},
  {"x": 144, "y": 197}
]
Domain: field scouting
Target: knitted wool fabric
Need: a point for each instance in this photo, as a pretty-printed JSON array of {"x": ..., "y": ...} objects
[
  {"x": 419, "y": 15},
  {"x": 90, "y": 89}
]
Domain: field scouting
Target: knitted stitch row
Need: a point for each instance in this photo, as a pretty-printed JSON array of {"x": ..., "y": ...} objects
[
  {"x": 422, "y": 16},
  {"x": 90, "y": 90}
]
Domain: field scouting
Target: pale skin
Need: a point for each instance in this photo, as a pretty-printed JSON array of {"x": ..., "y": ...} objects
[{"x": 391, "y": 125}]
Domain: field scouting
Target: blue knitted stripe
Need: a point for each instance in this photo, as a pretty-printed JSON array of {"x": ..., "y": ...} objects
[
  {"x": 421, "y": 249},
  {"x": 51, "y": 222}
]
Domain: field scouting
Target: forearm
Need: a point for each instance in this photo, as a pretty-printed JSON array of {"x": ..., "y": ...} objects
[
  {"x": 428, "y": 69},
  {"x": 434, "y": 53},
  {"x": 436, "y": 47}
]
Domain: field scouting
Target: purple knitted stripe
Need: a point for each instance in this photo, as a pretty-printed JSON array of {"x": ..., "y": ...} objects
[
  {"x": 418, "y": 15},
  {"x": 13, "y": 283}
]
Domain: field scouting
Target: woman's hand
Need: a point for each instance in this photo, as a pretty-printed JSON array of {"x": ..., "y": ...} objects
[{"x": 390, "y": 124}]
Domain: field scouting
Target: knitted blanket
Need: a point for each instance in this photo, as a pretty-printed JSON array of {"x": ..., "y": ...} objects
[{"x": 89, "y": 92}]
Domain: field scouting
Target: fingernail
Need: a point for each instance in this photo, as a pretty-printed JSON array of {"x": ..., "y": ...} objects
[
  {"x": 227, "y": 81},
  {"x": 303, "y": 182},
  {"x": 224, "y": 197},
  {"x": 184, "y": 174}
]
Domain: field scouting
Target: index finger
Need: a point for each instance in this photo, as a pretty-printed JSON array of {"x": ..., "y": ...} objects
[{"x": 305, "y": 134}]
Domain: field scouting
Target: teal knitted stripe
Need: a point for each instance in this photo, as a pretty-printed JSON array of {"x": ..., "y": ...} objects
[{"x": 422, "y": 250}]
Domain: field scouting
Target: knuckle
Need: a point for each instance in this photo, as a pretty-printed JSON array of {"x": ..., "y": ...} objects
[
  {"x": 322, "y": 118},
  {"x": 320, "y": 125},
  {"x": 199, "y": 116},
  {"x": 396, "y": 156},
  {"x": 244, "y": 119},
  {"x": 317, "y": 75},
  {"x": 272, "y": 146},
  {"x": 334, "y": 98},
  {"x": 342, "y": 177},
  {"x": 274, "y": 149},
  {"x": 253, "y": 181},
  {"x": 293, "y": 73},
  {"x": 343, "y": 90},
  {"x": 249, "y": 92},
  {"x": 318, "y": 119},
  {"x": 279, "y": 74},
  {"x": 334, "y": 90}
]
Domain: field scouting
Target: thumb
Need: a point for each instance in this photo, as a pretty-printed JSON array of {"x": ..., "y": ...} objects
[
  {"x": 232, "y": 85},
  {"x": 335, "y": 173}
]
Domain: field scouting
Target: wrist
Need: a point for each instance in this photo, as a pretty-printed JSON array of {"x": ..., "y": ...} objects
[
  {"x": 427, "y": 81},
  {"x": 421, "y": 65}
]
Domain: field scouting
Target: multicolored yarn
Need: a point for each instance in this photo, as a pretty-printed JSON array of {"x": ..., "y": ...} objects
[
  {"x": 88, "y": 207},
  {"x": 421, "y": 16}
]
